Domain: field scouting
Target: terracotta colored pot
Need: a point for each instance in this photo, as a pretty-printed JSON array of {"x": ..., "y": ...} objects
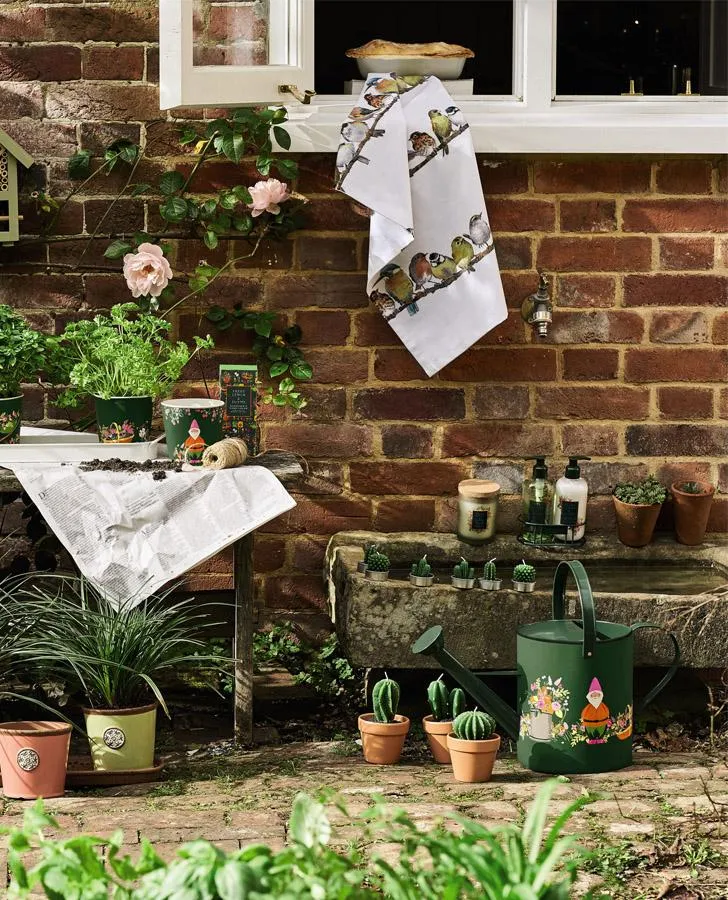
[
  {"x": 122, "y": 738},
  {"x": 33, "y": 758},
  {"x": 382, "y": 742},
  {"x": 691, "y": 512},
  {"x": 472, "y": 761},
  {"x": 635, "y": 522},
  {"x": 437, "y": 733}
]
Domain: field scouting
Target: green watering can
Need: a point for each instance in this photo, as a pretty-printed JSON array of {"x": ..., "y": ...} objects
[{"x": 575, "y": 703}]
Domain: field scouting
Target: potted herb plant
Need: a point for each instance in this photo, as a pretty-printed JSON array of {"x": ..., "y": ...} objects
[
  {"x": 472, "y": 746},
  {"x": 637, "y": 505},
  {"x": 22, "y": 355},
  {"x": 114, "y": 654},
  {"x": 691, "y": 502},
  {"x": 445, "y": 705},
  {"x": 383, "y": 731},
  {"x": 125, "y": 360}
]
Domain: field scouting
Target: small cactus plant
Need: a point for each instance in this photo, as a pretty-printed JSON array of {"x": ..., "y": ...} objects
[
  {"x": 369, "y": 551},
  {"x": 385, "y": 700},
  {"x": 489, "y": 571},
  {"x": 422, "y": 569},
  {"x": 473, "y": 725},
  {"x": 691, "y": 487},
  {"x": 463, "y": 569},
  {"x": 457, "y": 702},
  {"x": 524, "y": 572},
  {"x": 378, "y": 562},
  {"x": 438, "y": 697}
]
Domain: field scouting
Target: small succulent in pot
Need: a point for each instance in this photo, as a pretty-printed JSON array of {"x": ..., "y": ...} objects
[
  {"x": 383, "y": 731},
  {"x": 524, "y": 577},
  {"x": 691, "y": 503},
  {"x": 473, "y": 746},
  {"x": 378, "y": 566},
  {"x": 637, "y": 505},
  {"x": 463, "y": 574},
  {"x": 421, "y": 573},
  {"x": 369, "y": 549},
  {"x": 445, "y": 706},
  {"x": 490, "y": 580}
]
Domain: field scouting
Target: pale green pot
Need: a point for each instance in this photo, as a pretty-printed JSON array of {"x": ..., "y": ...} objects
[{"x": 122, "y": 738}]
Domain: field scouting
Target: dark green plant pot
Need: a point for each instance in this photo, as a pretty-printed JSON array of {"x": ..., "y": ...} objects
[
  {"x": 10, "y": 413},
  {"x": 124, "y": 420},
  {"x": 191, "y": 425}
]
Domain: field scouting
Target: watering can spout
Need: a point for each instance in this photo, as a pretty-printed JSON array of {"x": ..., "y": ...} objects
[{"x": 432, "y": 643}]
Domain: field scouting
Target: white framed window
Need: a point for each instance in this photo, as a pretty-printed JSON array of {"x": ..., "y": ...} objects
[{"x": 541, "y": 46}]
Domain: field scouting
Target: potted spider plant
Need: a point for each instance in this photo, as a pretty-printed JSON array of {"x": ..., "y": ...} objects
[
  {"x": 114, "y": 654},
  {"x": 691, "y": 502},
  {"x": 126, "y": 361},
  {"x": 22, "y": 355}
]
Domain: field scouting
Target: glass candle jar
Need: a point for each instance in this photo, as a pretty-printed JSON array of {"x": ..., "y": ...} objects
[{"x": 477, "y": 510}]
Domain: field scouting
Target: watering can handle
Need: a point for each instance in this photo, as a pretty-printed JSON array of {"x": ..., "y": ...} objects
[
  {"x": 674, "y": 665},
  {"x": 586, "y": 601}
]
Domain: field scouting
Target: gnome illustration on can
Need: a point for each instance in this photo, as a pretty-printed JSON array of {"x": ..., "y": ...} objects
[
  {"x": 194, "y": 445},
  {"x": 595, "y": 716}
]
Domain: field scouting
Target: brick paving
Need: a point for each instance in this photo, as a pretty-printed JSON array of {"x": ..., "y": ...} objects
[{"x": 650, "y": 821}]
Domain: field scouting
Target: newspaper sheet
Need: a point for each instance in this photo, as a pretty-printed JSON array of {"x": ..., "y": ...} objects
[{"x": 130, "y": 535}]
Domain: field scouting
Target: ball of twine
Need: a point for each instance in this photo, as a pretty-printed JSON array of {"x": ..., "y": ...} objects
[{"x": 226, "y": 454}]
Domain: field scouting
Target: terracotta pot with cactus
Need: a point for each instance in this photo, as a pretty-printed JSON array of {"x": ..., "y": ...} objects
[
  {"x": 472, "y": 746},
  {"x": 691, "y": 502},
  {"x": 446, "y": 706},
  {"x": 383, "y": 731}
]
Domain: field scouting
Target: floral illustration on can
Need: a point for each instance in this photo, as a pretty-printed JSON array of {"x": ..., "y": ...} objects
[
  {"x": 116, "y": 433},
  {"x": 546, "y": 707},
  {"x": 9, "y": 427}
]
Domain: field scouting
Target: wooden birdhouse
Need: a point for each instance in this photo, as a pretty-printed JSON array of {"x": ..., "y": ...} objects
[{"x": 10, "y": 155}]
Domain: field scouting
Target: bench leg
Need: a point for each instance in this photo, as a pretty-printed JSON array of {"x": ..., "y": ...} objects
[{"x": 243, "y": 640}]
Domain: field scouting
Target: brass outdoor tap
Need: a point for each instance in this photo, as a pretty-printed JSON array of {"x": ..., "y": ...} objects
[{"x": 536, "y": 309}]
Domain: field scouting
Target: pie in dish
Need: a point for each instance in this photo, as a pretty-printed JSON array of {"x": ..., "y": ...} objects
[{"x": 391, "y": 49}]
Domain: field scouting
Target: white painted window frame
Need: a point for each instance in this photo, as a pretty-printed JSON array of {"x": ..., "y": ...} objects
[{"x": 532, "y": 120}]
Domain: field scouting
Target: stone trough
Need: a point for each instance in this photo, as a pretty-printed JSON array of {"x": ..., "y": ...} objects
[{"x": 682, "y": 588}]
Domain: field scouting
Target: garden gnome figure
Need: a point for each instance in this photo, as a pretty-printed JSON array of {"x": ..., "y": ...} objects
[
  {"x": 194, "y": 445},
  {"x": 595, "y": 716}
]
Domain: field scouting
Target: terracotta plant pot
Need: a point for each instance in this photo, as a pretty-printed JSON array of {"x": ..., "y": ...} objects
[
  {"x": 691, "y": 512},
  {"x": 122, "y": 738},
  {"x": 33, "y": 758},
  {"x": 472, "y": 761},
  {"x": 635, "y": 522},
  {"x": 382, "y": 742},
  {"x": 437, "y": 733}
]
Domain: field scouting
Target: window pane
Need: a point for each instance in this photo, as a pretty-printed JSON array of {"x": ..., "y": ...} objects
[
  {"x": 230, "y": 32},
  {"x": 602, "y": 44},
  {"x": 484, "y": 26}
]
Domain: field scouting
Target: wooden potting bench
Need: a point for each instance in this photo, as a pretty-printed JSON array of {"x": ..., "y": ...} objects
[{"x": 287, "y": 469}]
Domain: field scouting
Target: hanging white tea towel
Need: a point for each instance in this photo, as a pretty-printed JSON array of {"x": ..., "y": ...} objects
[{"x": 406, "y": 153}]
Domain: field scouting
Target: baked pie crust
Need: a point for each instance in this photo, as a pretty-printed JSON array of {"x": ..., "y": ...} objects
[{"x": 438, "y": 49}]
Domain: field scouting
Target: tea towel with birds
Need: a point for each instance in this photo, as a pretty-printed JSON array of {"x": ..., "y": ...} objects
[{"x": 407, "y": 154}]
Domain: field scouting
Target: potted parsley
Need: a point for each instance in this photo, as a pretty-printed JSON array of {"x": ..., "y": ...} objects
[{"x": 22, "y": 355}]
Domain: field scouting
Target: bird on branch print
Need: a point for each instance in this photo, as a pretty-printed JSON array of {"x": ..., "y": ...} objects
[
  {"x": 479, "y": 230},
  {"x": 420, "y": 270},
  {"x": 422, "y": 143},
  {"x": 443, "y": 267},
  {"x": 356, "y": 132},
  {"x": 462, "y": 252},
  {"x": 441, "y": 127}
]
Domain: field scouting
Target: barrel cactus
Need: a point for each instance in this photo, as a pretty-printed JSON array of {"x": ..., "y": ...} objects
[
  {"x": 457, "y": 702},
  {"x": 473, "y": 725},
  {"x": 524, "y": 572},
  {"x": 489, "y": 571},
  {"x": 438, "y": 697},
  {"x": 463, "y": 569},
  {"x": 369, "y": 551},
  {"x": 385, "y": 700},
  {"x": 378, "y": 562},
  {"x": 422, "y": 569}
]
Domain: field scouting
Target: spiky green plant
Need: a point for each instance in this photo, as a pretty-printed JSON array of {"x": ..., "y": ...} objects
[
  {"x": 646, "y": 492},
  {"x": 369, "y": 551},
  {"x": 378, "y": 562},
  {"x": 438, "y": 697},
  {"x": 489, "y": 571},
  {"x": 691, "y": 487},
  {"x": 457, "y": 702},
  {"x": 524, "y": 572},
  {"x": 473, "y": 725},
  {"x": 385, "y": 700},
  {"x": 422, "y": 569},
  {"x": 463, "y": 569}
]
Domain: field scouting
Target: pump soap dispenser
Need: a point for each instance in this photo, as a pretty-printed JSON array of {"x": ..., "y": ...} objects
[
  {"x": 570, "y": 501},
  {"x": 538, "y": 494}
]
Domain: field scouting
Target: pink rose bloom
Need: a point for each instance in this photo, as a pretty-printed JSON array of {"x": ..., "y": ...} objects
[
  {"x": 267, "y": 195},
  {"x": 147, "y": 272}
]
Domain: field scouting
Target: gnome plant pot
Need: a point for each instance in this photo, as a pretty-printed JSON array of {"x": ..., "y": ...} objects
[
  {"x": 446, "y": 706},
  {"x": 191, "y": 426},
  {"x": 383, "y": 732},
  {"x": 421, "y": 573},
  {"x": 472, "y": 747}
]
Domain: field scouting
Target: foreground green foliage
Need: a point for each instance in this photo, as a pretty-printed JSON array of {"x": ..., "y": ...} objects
[
  {"x": 22, "y": 352},
  {"x": 510, "y": 863}
]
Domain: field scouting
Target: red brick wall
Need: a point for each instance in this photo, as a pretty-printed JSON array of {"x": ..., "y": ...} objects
[{"x": 633, "y": 373}]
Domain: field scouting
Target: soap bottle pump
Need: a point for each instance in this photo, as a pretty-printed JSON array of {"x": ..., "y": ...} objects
[
  {"x": 570, "y": 498},
  {"x": 538, "y": 493}
]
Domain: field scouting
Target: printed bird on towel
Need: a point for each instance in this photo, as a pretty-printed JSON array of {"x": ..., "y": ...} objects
[
  {"x": 382, "y": 301},
  {"x": 479, "y": 230},
  {"x": 385, "y": 85},
  {"x": 361, "y": 112},
  {"x": 455, "y": 115},
  {"x": 443, "y": 267},
  {"x": 356, "y": 132},
  {"x": 422, "y": 143},
  {"x": 463, "y": 252},
  {"x": 397, "y": 284},
  {"x": 441, "y": 126},
  {"x": 346, "y": 155},
  {"x": 376, "y": 100},
  {"x": 420, "y": 270}
]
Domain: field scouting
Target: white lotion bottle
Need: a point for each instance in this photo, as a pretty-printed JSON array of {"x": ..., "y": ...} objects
[{"x": 570, "y": 496}]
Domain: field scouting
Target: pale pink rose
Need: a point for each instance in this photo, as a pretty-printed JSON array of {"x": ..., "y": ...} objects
[
  {"x": 267, "y": 195},
  {"x": 147, "y": 272}
]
